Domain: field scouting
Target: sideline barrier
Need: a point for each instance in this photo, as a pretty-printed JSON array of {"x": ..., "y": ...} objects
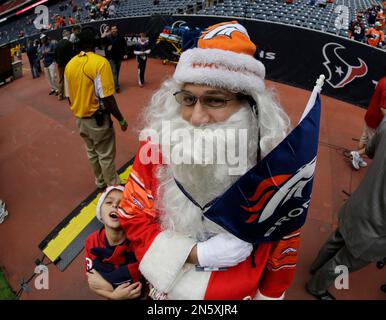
[{"x": 6, "y": 70}]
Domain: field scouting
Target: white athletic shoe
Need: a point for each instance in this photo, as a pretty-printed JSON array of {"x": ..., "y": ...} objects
[
  {"x": 362, "y": 163},
  {"x": 3, "y": 211},
  {"x": 355, "y": 158}
]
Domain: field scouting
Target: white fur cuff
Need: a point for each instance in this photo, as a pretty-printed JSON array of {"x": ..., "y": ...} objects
[
  {"x": 165, "y": 258},
  {"x": 260, "y": 296}
]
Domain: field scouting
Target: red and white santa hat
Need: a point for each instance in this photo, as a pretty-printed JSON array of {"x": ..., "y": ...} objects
[
  {"x": 224, "y": 58},
  {"x": 103, "y": 197}
]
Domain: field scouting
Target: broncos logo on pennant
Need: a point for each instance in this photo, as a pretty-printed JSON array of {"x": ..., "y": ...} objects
[
  {"x": 275, "y": 191},
  {"x": 263, "y": 192}
]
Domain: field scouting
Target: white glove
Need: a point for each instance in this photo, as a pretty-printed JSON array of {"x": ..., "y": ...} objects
[{"x": 223, "y": 250}]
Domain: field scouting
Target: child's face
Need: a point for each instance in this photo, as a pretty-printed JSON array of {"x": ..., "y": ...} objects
[{"x": 109, "y": 213}]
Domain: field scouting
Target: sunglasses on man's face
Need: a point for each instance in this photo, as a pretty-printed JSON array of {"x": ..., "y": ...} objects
[{"x": 209, "y": 100}]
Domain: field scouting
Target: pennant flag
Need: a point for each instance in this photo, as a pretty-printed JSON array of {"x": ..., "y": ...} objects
[{"x": 271, "y": 200}]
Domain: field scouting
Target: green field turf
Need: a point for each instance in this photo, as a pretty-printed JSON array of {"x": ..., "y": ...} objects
[{"x": 5, "y": 291}]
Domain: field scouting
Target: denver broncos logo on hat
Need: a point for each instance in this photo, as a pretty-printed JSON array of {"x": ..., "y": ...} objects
[
  {"x": 230, "y": 36},
  {"x": 225, "y": 29}
]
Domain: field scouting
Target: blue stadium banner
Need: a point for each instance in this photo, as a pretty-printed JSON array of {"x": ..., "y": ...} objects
[{"x": 271, "y": 200}]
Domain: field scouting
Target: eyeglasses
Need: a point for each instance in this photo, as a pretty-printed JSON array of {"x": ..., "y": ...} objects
[{"x": 211, "y": 101}]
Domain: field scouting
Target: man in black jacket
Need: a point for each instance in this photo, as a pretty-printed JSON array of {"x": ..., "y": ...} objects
[
  {"x": 64, "y": 53},
  {"x": 115, "y": 51},
  {"x": 32, "y": 53}
]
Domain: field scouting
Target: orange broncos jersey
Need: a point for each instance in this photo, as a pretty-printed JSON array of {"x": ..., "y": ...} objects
[{"x": 377, "y": 37}]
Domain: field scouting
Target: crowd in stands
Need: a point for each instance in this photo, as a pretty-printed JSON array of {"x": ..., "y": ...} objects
[
  {"x": 63, "y": 14},
  {"x": 376, "y": 20},
  {"x": 368, "y": 25},
  {"x": 100, "y": 9},
  {"x": 91, "y": 10}
]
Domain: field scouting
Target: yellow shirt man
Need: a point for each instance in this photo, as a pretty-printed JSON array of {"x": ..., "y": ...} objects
[
  {"x": 89, "y": 86},
  {"x": 87, "y": 78}
]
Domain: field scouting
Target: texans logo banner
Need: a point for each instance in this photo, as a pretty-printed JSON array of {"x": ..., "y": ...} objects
[{"x": 271, "y": 200}]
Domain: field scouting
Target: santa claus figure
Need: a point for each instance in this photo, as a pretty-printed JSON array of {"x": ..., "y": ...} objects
[{"x": 216, "y": 87}]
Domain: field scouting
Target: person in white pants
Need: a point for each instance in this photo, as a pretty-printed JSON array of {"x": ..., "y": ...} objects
[
  {"x": 50, "y": 73},
  {"x": 48, "y": 55}
]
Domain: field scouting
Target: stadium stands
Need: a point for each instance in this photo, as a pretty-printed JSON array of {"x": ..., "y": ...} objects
[
  {"x": 146, "y": 7},
  {"x": 300, "y": 13},
  {"x": 10, "y": 31}
]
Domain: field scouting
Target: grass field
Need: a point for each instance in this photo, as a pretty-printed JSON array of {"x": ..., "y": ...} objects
[{"x": 5, "y": 291}]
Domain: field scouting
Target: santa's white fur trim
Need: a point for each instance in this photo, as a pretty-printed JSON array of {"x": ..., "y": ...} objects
[
  {"x": 163, "y": 261},
  {"x": 260, "y": 296},
  {"x": 190, "y": 285},
  {"x": 221, "y": 68}
]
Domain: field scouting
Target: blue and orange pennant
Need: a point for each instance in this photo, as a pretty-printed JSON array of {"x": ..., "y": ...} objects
[{"x": 272, "y": 199}]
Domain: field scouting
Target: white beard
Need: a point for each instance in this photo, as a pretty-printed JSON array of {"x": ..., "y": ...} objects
[{"x": 203, "y": 182}]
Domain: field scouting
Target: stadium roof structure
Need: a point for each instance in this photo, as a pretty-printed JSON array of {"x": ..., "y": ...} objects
[{"x": 6, "y": 7}]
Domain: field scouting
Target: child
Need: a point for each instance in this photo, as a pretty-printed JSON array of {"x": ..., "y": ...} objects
[
  {"x": 112, "y": 269},
  {"x": 141, "y": 51}
]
